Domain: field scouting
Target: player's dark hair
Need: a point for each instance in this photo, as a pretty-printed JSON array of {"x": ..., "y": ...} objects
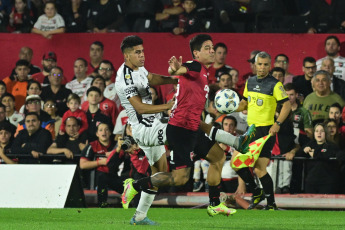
[
  {"x": 282, "y": 55},
  {"x": 333, "y": 37},
  {"x": 278, "y": 69},
  {"x": 98, "y": 77},
  {"x": 196, "y": 42},
  {"x": 83, "y": 60},
  {"x": 308, "y": 59},
  {"x": 220, "y": 44},
  {"x": 98, "y": 43},
  {"x": 93, "y": 89},
  {"x": 22, "y": 62},
  {"x": 230, "y": 118},
  {"x": 129, "y": 42}
]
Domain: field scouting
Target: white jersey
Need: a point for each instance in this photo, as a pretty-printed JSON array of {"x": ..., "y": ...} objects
[
  {"x": 339, "y": 63},
  {"x": 79, "y": 87},
  {"x": 130, "y": 83}
]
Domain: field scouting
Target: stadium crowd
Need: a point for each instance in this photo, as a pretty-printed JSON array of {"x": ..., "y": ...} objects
[{"x": 47, "y": 17}]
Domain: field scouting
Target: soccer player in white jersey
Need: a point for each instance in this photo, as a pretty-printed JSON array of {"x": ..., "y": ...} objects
[{"x": 132, "y": 84}]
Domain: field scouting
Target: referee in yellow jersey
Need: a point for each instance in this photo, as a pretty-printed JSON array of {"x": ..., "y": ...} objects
[{"x": 260, "y": 98}]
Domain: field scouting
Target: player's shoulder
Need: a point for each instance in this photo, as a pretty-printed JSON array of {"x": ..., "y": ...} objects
[{"x": 193, "y": 65}]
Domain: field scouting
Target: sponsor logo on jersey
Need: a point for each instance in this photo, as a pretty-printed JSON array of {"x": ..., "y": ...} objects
[
  {"x": 257, "y": 88},
  {"x": 160, "y": 137},
  {"x": 130, "y": 90}
]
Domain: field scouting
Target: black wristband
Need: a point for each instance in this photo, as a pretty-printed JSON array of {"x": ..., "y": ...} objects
[{"x": 278, "y": 123}]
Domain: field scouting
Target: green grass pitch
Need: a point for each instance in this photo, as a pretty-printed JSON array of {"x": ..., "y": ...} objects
[{"x": 169, "y": 218}]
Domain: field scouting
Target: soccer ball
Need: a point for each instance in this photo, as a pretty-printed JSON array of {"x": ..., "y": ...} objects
[{"x": 226, "y": 101}]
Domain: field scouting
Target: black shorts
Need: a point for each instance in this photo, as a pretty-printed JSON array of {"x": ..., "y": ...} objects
[
  {"x": 187, "y": 145},
  {"x": 262, "y": 131}
]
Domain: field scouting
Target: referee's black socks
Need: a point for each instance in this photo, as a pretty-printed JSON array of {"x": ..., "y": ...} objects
[
  {"x": 143, "y": 184},
  {"x": 267, "y": 185}
]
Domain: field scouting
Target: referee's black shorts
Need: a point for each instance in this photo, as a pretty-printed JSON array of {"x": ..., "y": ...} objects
[
  {"x": 262, "y": 131},
  {"x": 187, "y": 146}
]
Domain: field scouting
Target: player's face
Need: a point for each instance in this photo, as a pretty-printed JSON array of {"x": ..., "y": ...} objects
[
  {"x": 328, "y": 66},
  {"x": 103, "y": 132},
  {"x": 263, "y": 66},
  {"x": 334, "y": 113},
  {"x": 281, "y": 62},
  {"x": 229, "y": 126},
  {"x": 220, "y": 55},
  {"x": 292, "y": 96},
  {"x": 319, "y": 134},
  {"x": 225, "y": 81},
  {"x": 105, "y": 71},
  {"x": 206, "y": 54},
  {"x": 321, "y": 83},
  {"x": 71, "y": 127},
  {"x": 4, "y": 137},
  {"x": 32, "y": 123},
  {"x": 135, "y": 57},
  {"x": 332, "y": 47},
  {"x": 79, "y": 69},
  {"x": 279, "y": 76},
  {"x": 309, "y": 69}
]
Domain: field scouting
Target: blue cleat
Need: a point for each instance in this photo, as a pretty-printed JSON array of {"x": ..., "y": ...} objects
[
  {"x": 246, "y": 138},
  {"x": 145, "y": 221}
]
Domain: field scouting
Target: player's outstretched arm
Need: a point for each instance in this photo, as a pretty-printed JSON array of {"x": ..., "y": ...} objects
[
  {"x": 143, "y": 108},
  {"x": 155, "y": 79},
  {"x": 175, "y": 66}
]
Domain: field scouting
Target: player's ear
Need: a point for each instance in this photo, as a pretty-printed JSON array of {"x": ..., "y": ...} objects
[{"x": 195, "y": 54}]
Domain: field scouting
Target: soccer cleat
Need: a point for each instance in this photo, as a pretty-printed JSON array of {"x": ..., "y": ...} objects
[
  {"x": 246, "y": 138},
  {"x": 128, "y": 193},
  {"x": 145, "y": 221},
  {"x": 197, "y": 186},
  {"x": 272, "y": 207},
  {"x": 220, "y": 209},
  {"x": 256, "y": 199}
]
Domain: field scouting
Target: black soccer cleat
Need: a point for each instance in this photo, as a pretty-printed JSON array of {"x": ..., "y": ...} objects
[{"x": 256, "y": 199}]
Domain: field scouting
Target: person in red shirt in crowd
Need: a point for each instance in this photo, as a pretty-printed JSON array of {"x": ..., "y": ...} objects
[
  {"x": 73, "y": 103},
  {"x": 97, "y": 155},
  {"x": 21, "y": 18},
  {"x": 96, "y": 56},
  {"x": 218, "y": 67}
]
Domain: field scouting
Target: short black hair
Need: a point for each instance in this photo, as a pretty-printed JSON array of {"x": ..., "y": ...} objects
[
  {"x": 93, "y": 88},
  {"x": 5, "y": 125},
  {"x": 107, "y": 62},
  {"x": 308, "y": 59},
  {"x": 290, "y": 86},
  {"x": 31, "y": 81},
  {"x": 83, "y": 60},
  {"x": 8, "y": 95},
  {"x": 220, "y": 44},
  {"x": 230, "y": 118},
  {"x": 3, "y": 83},
  {"x": 282, "y": 55},
  {"x": 130, "y": 41},
  {"x": 98, "y": 77},
  {"x": 333, "y": 37},
  {"x": 33, "y": 113},
  {"x": 57, "y": 67},
  {"x": 2, "y": 106},
  {"x": 22, "y": 62},
  {"x": 278, "y": 69},
  {"x": 98, "y": 43},
  {"x": 337, "y": 105},
  {"x": 196, "y": 42}
]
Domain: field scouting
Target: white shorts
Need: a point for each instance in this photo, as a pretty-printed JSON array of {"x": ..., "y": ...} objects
[{"x": 151, "y": 138}]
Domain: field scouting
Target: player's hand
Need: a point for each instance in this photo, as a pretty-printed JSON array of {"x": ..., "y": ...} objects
[
  {"x": 175, "y": 64},
  {"x": 170, "y": 104},
  {"x": 274, "y": 130}
]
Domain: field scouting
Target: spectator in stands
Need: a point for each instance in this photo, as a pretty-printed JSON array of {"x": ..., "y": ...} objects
[
  {"x": 34, "y": 88},
  {"x": 26, "y": 53},
  {"x": 73, "y": 103},
  {"x": 6, "y": 139},
  {"x": 107, "y": 106},
  {"x": 282, "y": 61},
  {"x": 81, "y": 82},
  {"x": 225, "y": 81},
  {"x": 302, "y": 83},
  {"x": 3, "y": 118},
  {"x": 75, "y": 15},
  {"x": 17, "y": 86},
  {"x": 96, "y": 57},
  {"x": 94, "y": 114},
  {"x": 234, "y": 73},
  {"x": 5, "y": 10},
  {"x": 337, "y": 84},
  {"x": 11, "y": 114},
  {"x": 190, "y": 20},
  {"x": 322, "y": 174},
  {"x": 327, "y": 16},
  {"x": 168, "y": 17},
  {"x": 104, "y": 17},
  {"x": 219, "y": 66},
  {"x": 33, "y": 140},
  {"x": 278, "y": 73},
  {"x": 335, "y": 111},
  {"x": 242, "y": 80},
  {"x": 333, "y": 131},
  {"x": 96, "y": 155},
  {"x": 322, "y": 98},
  {"x": 71, "y": 143},
  {"x": 21, "y": 18},
  {"x": 48, "y": 62},
  {"x": 50, "y": 22},
  {"x": 33, "y": 105},
  {"x": 332, "y": 48},
  {"x": 3, "y": 89},
  {"x": 56, "y": 91},
  {"x": 51, "y": 108}
]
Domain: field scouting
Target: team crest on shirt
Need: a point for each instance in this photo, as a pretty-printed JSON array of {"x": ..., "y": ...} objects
[
  {"x": 84, "y": 85},
  {"x": 341, "y": 64},
  {"x": 297, "y": 118},
  {"x": 105, "y": 106},
  {"x": 323, "y": 150},
  {"x": 128, "y": 79}
]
